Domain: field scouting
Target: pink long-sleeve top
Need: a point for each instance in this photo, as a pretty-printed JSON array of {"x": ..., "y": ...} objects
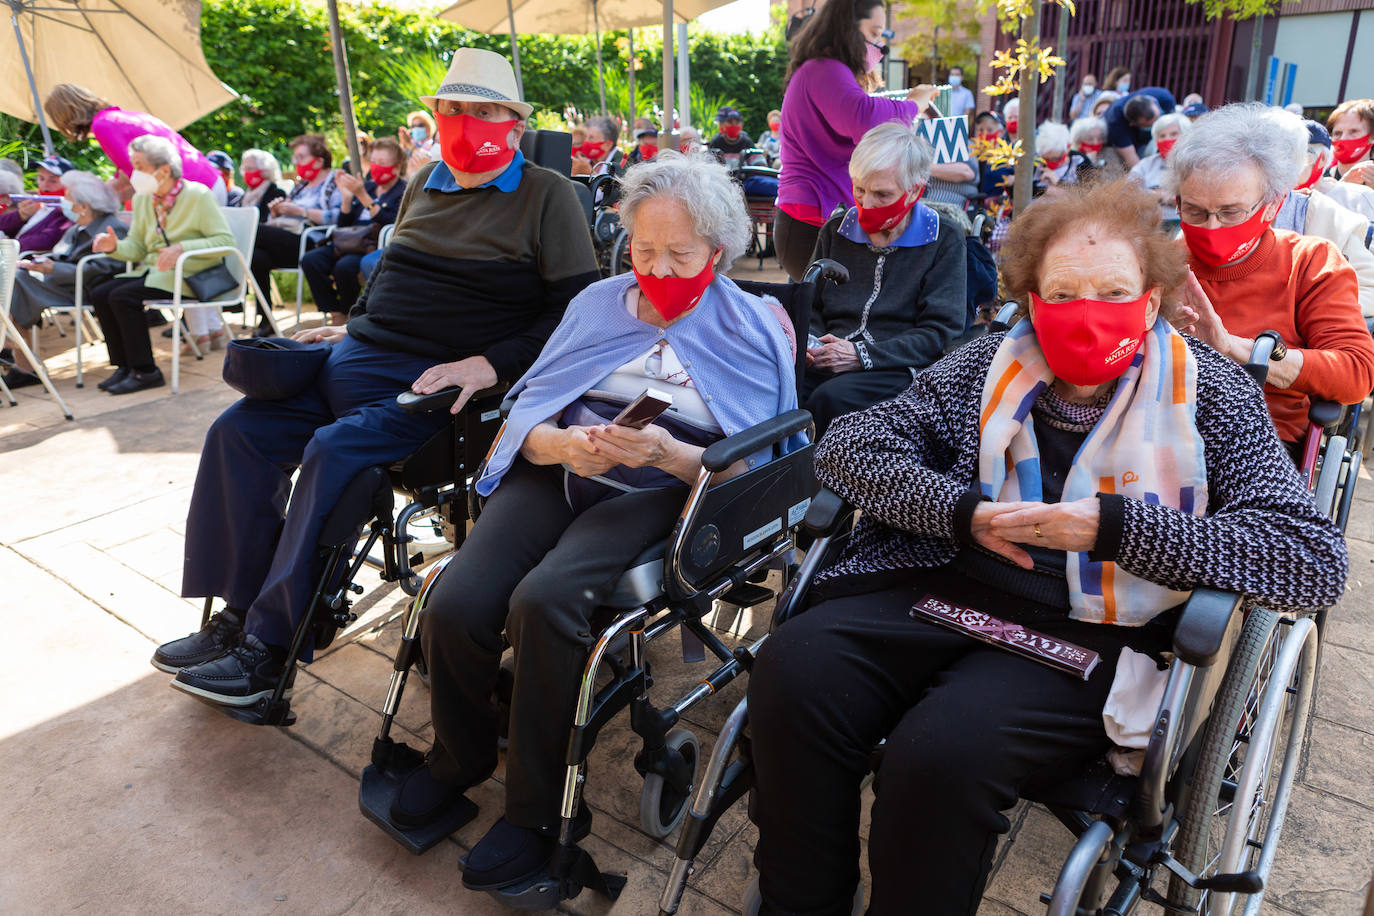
[
  {"x": 824, "y": 115},
  {"x": 114, "y": 127}
]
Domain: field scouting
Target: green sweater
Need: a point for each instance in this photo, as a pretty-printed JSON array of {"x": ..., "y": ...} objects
[{"x": 194, "y": 223}]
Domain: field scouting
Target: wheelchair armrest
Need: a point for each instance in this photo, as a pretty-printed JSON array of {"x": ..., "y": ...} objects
[
  {"x": 1201, "y": 628},
  {"x": 722, "y": 454},
  {"x": 1268, "y": 347},
  {"x": 1006, "y": 317},
  {"x": 1325, "y": 414},
  {"x": 827, "y": 510},
  {"x": 826, "y": 269},
  {"x": 442, "y": 399}
]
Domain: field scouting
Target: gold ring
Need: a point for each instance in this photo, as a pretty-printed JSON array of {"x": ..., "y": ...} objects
[{"x": 1037, "y": 532}]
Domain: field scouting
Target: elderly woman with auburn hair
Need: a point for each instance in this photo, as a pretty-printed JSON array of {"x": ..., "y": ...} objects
[{"x": 1078, "y": 475}]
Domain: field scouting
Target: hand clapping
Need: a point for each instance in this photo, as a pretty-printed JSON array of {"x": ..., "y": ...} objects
[{"x": 105, "y": 242}]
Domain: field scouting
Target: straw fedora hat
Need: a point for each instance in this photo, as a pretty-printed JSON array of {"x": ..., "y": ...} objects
[{"x": 476, "y": 75}]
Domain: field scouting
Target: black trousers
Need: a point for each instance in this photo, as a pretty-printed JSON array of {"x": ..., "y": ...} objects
[
  {"x": 534, "y": 569},
  {"x": 829, "y": 396},
  {"x": 119, "y": 308},
  {"x": 275, "y": 248},
  {"x": 966, "y": 725},
  {"x": 795, "y": 242},
  {"x": 333, "y": 278}
]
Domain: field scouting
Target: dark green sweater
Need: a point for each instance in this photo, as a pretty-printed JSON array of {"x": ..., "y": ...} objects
[{"x": 478, "y": 272}]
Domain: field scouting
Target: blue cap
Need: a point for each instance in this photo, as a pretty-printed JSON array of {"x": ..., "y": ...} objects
[
  {"x": 1195, "y": 110},
  {"x": 272, "y": 368},
  {"x": 56, "y": 164},
  {"x": 220, "y": 160},
  {"x": 726, "y": 114},
  {"x": 1317, "y": 134}
]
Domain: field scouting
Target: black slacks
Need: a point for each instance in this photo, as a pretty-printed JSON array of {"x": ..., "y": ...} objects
[
  {"x": 275, "y": 248},
  {"x": 536, "y": 570},
  {"x": 829, "y": 396},
  {"x": 119, "y": 308},
  {"x": 966, "y": 725},
  {"x": 795, "y": 242}
]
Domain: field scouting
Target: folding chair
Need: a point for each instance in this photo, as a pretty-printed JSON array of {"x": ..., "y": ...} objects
[
  {"x": 9, "y": 265},
  {"x": 308, "y": 233}
]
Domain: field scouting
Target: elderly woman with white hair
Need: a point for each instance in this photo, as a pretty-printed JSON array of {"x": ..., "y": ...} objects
[
  {"x": 1231, "y": 174},
  {"x": 49, "y": 281},
  {"x": 1152, "y": 171},
  {"x": 171, "y": 217},
  {"x": 262, "y": 175},
  {"x": 572, "y": 497},
  {"x": 905, "y": 300},
  {"x": 1088, "y": 135},
  {"x": 1061, "y": 164}
]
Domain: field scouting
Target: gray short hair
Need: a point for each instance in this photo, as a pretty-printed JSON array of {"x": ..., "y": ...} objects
[
  {"x": 10, "y": 183},
  {"x": 608, "y": 127},
  {"x": 703, "y": 186},
  {"x": 263, "y": 161},
  {"x": 1271, "y": 139},
  {"x": 9, "y": 165},
  {"x": 1172, "y": 119},
  {"x": 1051, "y": 136},
  {"x": 1085, "y": 127},
  {"x": 85, "y": 188},
  {"x": 159, "y": 151},
  {"x": 893, "y": 145}
]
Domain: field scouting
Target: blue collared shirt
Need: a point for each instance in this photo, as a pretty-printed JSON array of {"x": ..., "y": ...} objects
[
  {"x": 923, "y": 229},
  {"x": 441, "y": 178}
]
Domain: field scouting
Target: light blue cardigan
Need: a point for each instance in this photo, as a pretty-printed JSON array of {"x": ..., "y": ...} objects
[{"x": 731, "y": 345}]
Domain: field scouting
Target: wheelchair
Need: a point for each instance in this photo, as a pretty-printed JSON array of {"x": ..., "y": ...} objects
[{"x": 721, "y": 548}]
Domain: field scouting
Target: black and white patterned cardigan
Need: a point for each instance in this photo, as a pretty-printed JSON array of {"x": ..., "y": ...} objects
[{"x": 910, "y": 464}]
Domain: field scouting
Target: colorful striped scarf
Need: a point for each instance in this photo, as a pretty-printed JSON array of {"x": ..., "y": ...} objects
[{"x": 1145, "y": 447}]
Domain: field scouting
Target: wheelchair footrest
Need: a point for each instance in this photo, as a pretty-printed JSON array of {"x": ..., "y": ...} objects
[
  {"x": 260, "y": 713},
  {"x": 546, "y": 891},
  {"x": 747, "y": 595},
  {"x": 377, "y": 791}
]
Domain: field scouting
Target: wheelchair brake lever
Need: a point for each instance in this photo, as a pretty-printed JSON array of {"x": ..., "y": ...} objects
[{"x": 442, "y": 399}]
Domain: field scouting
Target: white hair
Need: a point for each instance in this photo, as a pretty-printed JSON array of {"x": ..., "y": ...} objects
[
  {"x": 1051, "y": 137},
  {"x": 1272, "y": 140},
  {"x": 9, "y": 165},
  {"x": 159, "y": 151},
  {"x": 1084, "y": 128},
  {"x": 85, "y": 188},
  {"x": 263, "y": 161},
  {"x": 1172, "y": 119},
  {"x": 893, "y": 145},
  {"x": 1320, "y": 152},
  {"x": 10, "y": 183},
  {"x": 703, "y": 186},
  {"x": 1010, "y": 107}
]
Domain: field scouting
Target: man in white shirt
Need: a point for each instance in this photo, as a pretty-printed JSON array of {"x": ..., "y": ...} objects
[{"x": 961, "y": 100}]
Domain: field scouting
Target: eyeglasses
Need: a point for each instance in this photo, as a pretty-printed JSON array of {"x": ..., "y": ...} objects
[{"x": 1227, "y": 216}]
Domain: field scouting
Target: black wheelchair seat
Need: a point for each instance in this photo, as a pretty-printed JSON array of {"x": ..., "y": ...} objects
[{"x": 642, "y": 580}]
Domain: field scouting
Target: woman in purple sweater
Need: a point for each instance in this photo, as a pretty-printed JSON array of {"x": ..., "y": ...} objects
[{"x": 825, "y": 112}]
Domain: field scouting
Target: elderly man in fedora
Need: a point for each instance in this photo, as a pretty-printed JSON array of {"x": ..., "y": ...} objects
[{"x": 488, "y": 251}]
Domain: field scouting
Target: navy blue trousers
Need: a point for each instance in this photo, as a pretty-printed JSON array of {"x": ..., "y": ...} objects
[{"x": 243, "y": 543}]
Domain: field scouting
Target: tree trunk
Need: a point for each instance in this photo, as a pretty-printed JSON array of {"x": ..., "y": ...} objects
[
  {"x": 1061, "y": 77},
  {"x": 1025, "y": 127}
]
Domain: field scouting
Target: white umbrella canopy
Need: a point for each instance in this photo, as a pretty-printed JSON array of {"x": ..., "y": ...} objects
[
  {"x": 139, "y": 54},
  {"x": 570, "y": 17}
]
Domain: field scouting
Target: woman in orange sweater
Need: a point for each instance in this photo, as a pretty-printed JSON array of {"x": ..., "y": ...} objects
[{"x": 1231, "y": 174}]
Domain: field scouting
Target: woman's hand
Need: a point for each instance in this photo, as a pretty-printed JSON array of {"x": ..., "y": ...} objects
[
  {"x": 404, "y": 138},
  {"x": 922, "y": 95},
  {"x": 583, "y": 455},
  {"x": 326, "y": 334},
  {"x": 1362, "y": 173},
  {"x": 471, "y": 374},
  {"x": 27, "y": 208},
  {"x": 105, "y": 242},
  {"x": 835, "y": 354},
  {"x": 581, "y": 165},
  {"x": 349, "y": 184},
  {"x": 167, "y": 257},
  {"x": 40, "y": 265},
  {"x": 650, "y": 447},
  {"x": 1070, "y": 526}
]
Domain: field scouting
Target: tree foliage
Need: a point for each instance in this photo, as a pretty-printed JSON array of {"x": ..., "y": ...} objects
[
  {"x": 1237, "y": 9},
  {"x": 946, "y": 35}
]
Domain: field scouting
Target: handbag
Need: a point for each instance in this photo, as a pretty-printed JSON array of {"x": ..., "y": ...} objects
[
  {"x": 211, "y": 283},
  {"x": 361, "y": 239}
]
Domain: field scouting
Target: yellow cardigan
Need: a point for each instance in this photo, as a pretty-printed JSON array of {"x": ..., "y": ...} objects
[{"x": 195, "y": 222}]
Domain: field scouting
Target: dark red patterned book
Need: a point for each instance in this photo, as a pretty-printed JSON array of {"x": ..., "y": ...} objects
[{"x": 1048, "y": 650}]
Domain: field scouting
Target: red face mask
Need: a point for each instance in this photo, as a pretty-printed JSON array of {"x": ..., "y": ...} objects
[
  {"x": 1092, "y": 149},
  {"x": 731, "y": 130},
  {"x": 989, "y": 136},
  {"x": 775, "y": 126},
  {"x": 471, "y": 145},
  {"x": 594, "y": 151},
  {"x": 1313, "y": 177},
  {"x": 252, "y": 178},
  {"x": 1055, "y": 163},
  {"x": 308, "y": 171},
  {"x": 684, "y": 146},
  {"x": 1089, "y": 341},
  {"x": 1164, "y": 146},
  {"x": 1011, "y": 127},
  {"x": 674, "y": 296},
  {"x": 1225, "y": 244},
  {"x": 648, "y": 151},
  {"x": 1351, "y": 149},
  {"x": 382, "y": 174},
  {"x": 880, "y": 219}
]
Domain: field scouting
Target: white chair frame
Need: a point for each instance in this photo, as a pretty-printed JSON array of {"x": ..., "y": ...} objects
[
  {"x": 9, "y": 267},
  {"x": 307, "y": 234}
]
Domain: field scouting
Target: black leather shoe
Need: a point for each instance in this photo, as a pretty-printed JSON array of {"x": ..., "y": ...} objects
[
  {"x": 510, "y": 855},
  {"x": 422, "y": 799},
  {"x": 138, "y": 381},
  {"x": 18, "y": 378},
  {"x": 7, "y": 357},
  {"x": 120, "y": 374},
  {"x": 220, "y": 633},
  {"x": 240, "y": 676},
  {"x": 264, "y": 330}
]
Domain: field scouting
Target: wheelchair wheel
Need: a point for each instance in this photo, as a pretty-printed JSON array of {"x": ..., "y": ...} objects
[
  {"x": 661, "y": 806},
  {"x": 620, "y": 254},
  {"x": 753, "y": 899},
  {"x": 1235, "y": 807}
]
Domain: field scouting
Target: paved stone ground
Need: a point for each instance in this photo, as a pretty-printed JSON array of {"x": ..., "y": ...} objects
[{"x": 123, "y": 795}]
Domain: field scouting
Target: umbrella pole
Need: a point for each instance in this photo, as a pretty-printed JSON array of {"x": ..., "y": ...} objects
[
  {"x": 600, "y": 73},
  {"x": 345, "y": 88},
  {"x": 634, "y": 112},
  {"x": 33, "y": 85},
  {"x": 666, "y": 140},
  {"x": 515, "y": 50}
]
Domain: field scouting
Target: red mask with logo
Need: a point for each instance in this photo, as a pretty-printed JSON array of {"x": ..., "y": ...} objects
[
  {"x": 1312, "y": 177},
  {"x": 252, "y": 178},
  {"x": 1225, "y": 244},
  {"x": 731, "y": 130},
  {"x": 1092, "y": 149},
  {"x": 382, "y": 174},
  {"x": 308, "y": 171},
  {"x": 469, "y": 144},
  {"x": 1089, "y": 341},
  {"x": 1351, "y": 149},
  {"x": 674, "y": 296},
  {"x": 593, "y": 151},
  {"x": 880, "y": 219},
  {"x": 648, "y": 151},
  {"x": 1163, "y": 147}
]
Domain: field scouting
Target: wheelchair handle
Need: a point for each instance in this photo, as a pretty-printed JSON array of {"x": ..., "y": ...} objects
[
  {"x": 825, "y": 513},
  {"x": 826, "y": 269},
  {"x": 1268, "y": 347},
  {"x": 442, "y": 399},
  {"x": 726, "y": 452}
]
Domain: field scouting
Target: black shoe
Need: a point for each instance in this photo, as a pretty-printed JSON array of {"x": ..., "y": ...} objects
[
  {"x": 220, "y": 633},
  {"x": 510, "y": 855},
  {"x": 240, "y": 676},
  {"x": 138, "y": 381},
  {"x": 120, "y": 374},
  {"x": 6, "y": 357},
  {"x": 167, "y": 331},
  {"x": 422, "y": 799},
  {"x": 18, "y": 378},
  {"x": 156, "y": 318},
  {"x": 264, "y": 330}
]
